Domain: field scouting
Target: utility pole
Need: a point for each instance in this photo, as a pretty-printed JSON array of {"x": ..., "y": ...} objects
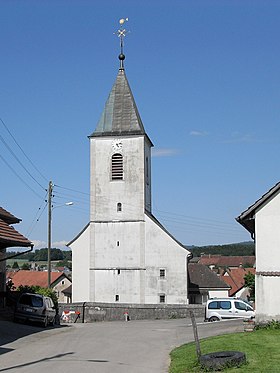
[{"x": 50, "y": 191}]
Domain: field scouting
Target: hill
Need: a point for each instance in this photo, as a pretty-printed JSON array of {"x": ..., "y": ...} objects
[{"x": 235, "y": 249}]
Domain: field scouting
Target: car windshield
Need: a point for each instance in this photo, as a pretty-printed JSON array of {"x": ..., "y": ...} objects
[{"x": 31, "y": 300}]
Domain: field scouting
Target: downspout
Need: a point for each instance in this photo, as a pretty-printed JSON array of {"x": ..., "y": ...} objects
[{"x": 15, "y": 255}]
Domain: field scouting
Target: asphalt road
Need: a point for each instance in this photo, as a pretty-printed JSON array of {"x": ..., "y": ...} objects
[{"x": 119, "y": 347}]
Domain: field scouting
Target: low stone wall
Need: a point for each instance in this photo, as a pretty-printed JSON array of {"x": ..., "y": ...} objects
[{"x": 91, "y": 312}]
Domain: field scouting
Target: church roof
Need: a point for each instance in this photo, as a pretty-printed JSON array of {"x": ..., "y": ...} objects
[{"x": 120, "y": 115}]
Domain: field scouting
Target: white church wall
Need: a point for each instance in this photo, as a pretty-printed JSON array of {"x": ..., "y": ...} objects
[
  {"x": 105, "y": 193},
  {"x": 80, "y": 267},
  {"x": 164, "y": 253}
]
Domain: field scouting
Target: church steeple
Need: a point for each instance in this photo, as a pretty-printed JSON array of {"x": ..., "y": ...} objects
[{"x": 120, "y": 115}]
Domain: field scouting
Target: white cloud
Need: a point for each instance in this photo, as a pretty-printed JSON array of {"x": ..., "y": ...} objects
[
  {"x": 39, "y": 244},
  {"x": 198, "y": 133},
  {"x": 163, "y": 152},
  {"x": 42, "y": 244},
  {"x": 237, "y": 137},
  {"x": 60, "y": 244}
]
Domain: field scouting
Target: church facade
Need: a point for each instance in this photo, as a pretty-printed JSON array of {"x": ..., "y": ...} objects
[{"x": 124, "y": 254}]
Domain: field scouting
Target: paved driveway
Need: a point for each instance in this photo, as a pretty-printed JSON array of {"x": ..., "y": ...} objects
[{"x": 119, "y": 347}]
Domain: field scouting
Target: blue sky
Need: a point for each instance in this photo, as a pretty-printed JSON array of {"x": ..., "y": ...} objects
[{"x": 205, "y": 77}]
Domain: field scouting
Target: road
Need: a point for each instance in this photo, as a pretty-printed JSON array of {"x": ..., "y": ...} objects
[{"x": 119, "y": 347}]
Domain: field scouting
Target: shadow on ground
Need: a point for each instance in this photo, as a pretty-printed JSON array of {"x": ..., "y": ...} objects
[{"x": 10, "y": 332}]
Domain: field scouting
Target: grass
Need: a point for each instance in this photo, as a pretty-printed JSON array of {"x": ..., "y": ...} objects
[{"x": 262, "y": 349}]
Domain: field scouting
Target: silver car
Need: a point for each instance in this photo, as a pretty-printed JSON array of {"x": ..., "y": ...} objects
[{"x": 35, "y": 308}]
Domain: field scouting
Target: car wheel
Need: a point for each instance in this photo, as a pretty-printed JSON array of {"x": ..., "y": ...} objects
[
  {"x": 52, "y": 322},
  {"x": 214, "y": 318},
  {"x": 45, "y": 322}
]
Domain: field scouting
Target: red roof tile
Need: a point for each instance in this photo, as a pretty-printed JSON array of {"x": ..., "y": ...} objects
[
  {"x": 36, "y": 278},
  {"x": 8, "y": 217},
  {"x": 235, "y": 278},
  {"x": 9, "y": 237},
  {"x": 227, "y": 261}
]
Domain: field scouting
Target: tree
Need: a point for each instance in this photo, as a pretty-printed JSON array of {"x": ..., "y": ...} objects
[
  {"x": 39, "y": 290},
  {"x": 25, "y": 266},
  {"x": 249, "y": 282},
  {"x": 15, "y": 265}
]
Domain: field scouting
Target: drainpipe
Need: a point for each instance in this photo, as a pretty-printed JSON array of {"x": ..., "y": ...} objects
[{"x": 83, "y": 317}]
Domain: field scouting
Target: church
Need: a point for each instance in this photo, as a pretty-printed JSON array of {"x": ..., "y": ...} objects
[{"x": 124, "y": 254}]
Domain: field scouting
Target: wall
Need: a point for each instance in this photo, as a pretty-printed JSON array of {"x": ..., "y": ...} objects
[
  {"x": 116, "y": 312},
  {"x": 80, "y": 271},
  {"x": 267, "y": 223}
]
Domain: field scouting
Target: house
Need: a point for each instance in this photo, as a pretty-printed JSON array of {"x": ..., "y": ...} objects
[
  {"x": 221, "y": 261},
  {"x": 262, "y": 220},
  {"x": 67, "y": 294},
  {"x": 9, "y": 237},
  {"x": 59, "y": 281},
  {"x": 124, "y": 254},
  {"x": 205, "y": 284},
  {"x": 234, "y": 277}
]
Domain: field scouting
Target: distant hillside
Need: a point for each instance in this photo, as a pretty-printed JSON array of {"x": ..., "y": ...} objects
[{"x": 235, "y": 249}]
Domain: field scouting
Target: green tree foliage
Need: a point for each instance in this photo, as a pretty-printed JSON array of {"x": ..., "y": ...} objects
[
  {"x": 64, "y": 263},
  {"x": 39, "y": 290},
  {"x": 235, "y": 249},
  {"x": 249, "y": 282},
  {"x": 41, "y": 255},
  {"x": 25, "y": 266},
  {"x": 15, "y": 265}
]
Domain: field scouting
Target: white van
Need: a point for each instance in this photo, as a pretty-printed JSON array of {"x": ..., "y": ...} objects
[{"x": 227, "y": 308}]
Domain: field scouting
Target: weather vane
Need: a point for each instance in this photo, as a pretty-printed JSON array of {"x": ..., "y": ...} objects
[{"x": 121, "y": 34}]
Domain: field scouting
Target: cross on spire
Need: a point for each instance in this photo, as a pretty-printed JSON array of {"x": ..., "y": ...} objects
[{"x": 121, "y": 34}]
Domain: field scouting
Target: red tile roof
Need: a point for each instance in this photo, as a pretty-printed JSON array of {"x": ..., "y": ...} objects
[
  {"x": 9, "y": 237},
  {"x": 235, "y": 278},
  {"x": 227, "y": 261},
  {"x": 36, "y": 278},
  {"x": 8, "y": 217}
]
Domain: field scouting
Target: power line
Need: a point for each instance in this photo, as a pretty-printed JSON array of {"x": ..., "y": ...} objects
[
  {"x": 15, "y": 156},
  {"x": 27, "y": 185},
  {"x": 36, "y": 217},
  {"x": 23, "y": 152},
  {"x": 73, "y": 190}
]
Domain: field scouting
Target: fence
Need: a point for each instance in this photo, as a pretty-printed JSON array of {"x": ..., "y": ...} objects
[{"x": 91, "y": 312}]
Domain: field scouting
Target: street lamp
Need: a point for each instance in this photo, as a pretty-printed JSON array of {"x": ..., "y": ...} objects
[{"x": 50, "y": 190}]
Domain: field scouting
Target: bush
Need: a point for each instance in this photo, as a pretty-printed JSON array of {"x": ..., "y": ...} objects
[
  {"x": 39, "y": 290},
  {"x": 271, "y": 325}
]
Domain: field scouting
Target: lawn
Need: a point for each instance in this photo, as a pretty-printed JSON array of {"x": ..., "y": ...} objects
[{"x": 262, "y": 349}]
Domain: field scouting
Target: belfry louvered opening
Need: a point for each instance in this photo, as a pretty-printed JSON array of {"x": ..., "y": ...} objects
[{"x": 117, "y": 167}]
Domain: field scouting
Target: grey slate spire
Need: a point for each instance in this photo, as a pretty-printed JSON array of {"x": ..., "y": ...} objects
[{"x": 120, "y": 115}]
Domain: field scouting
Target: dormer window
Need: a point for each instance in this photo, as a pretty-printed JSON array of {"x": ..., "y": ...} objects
[{"x": 117, "y": 167}]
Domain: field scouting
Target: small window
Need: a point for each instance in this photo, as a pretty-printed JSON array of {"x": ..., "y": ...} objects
[
  {"x": 119, "y": 207},
  {"x": 117, "y": 297},
  {"x": 62, "y": 282},
  {"x": 118, "y": 243},
  {"x": 117, "y": 167},
  {"x": 162, "y": 273},
  {"x": 240, "y": 306},
  {"x": 119, "y": 271},
  {"x": 213, "y": 305},
  {"x": 225, "y": 305},
  {"x": 162, "y": 298}
]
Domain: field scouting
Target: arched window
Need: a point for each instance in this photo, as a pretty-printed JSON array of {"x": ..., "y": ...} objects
[
  {"x": 119, "y": 207},
  {"x": 117, "y": 167}
]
